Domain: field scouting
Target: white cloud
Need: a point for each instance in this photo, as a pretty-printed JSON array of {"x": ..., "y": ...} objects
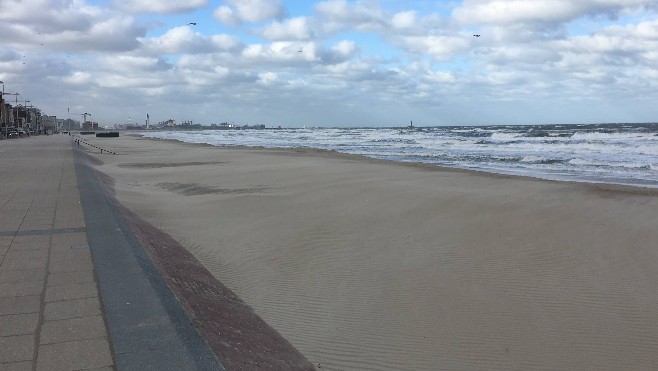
[
  {"x": 226, "y": 15},
  {"x": 267, "y": 78},
  {"x": 404, "y": 20},
  {"x": 67, "y": 26},
  {"x": 78, "y": 78},
  {"x": 542, "y": 11},
  {"x": 361, "y": 16},
  {"x": 179, "y": 40},
  {"x": 298, "y": 28},
  {"x": 160, "y": 6},
  {"x": 345, "y": 48},
  {"x": 441, "y": 47},
  {"x": 253, "y": 11}
]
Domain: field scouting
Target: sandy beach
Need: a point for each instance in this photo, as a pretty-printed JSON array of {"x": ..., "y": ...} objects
[{"x": 367, "y": 265}]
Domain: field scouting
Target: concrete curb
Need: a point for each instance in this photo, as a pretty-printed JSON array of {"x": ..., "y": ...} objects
[{"x": 148, "y": 327}]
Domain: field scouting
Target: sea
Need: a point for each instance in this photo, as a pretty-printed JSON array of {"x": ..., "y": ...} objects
[{"x": 596, "y": 153}]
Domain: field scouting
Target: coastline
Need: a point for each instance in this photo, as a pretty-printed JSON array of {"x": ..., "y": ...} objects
[
  {"x": 595, "y": 185},
  {"x": 361, "y": 262}
]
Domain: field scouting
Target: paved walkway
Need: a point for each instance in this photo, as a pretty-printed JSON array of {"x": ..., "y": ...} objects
[
  {"x": 50, "y": 312},
  {"x": 77, "y": 291}
]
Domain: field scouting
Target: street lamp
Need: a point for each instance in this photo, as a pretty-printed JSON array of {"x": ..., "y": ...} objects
[{"x": 2, "y": 105}]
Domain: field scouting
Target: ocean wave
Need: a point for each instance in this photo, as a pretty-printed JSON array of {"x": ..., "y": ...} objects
[
  {"x": 541, "y": 160},
  {"x": 624, "y": 153}
]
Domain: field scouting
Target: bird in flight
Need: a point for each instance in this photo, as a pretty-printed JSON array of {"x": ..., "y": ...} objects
[
  {"x": 192, "y": 23},
  {"x": 299, "y": 51},
  {"x": 476, "y": 35}
]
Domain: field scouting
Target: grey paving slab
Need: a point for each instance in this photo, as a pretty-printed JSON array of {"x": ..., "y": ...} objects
[
  {"x": 26, "y": 254},
  {"x": 70, "y": 261},
  {"x": 18, "y": 324},
  {"x": 21, "y": 275},
  {"x": 75, "y": 355},
  {"x": 65, "y": 241},
  {"x": 82, "y": 328},
  {"x": 71, "y": 291},
  {"x": 21, "y": 289},
  {"x": 15, "y": 263},
  {"x": 66, "y": 278},
  {"x": 5, "y": 240},
  {"x": 72, "y": 309},
  {"x": 16, "y": 348},
  {"x": 20, "y": 305},
  {"x": 28, "y": 246},
  {"x": 16, "y": 366},
  {"x": 43, "y": 238}
]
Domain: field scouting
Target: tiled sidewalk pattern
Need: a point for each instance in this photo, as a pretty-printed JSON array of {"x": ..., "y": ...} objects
[{"x": 50, "y": 312}]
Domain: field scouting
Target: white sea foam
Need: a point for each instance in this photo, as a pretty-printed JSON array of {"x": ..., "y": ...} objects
[{"x": 627, "y": 155}]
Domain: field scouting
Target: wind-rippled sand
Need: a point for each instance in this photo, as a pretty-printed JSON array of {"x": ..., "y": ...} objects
[{"x": 363, "y": 264}]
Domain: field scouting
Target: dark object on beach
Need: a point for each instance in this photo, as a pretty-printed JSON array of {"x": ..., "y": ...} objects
[
  {"x": 111, "y": 134},
  {"x": 87, "y": 132}
]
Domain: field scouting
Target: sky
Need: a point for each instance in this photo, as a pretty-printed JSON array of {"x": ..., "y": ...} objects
[{"x": 334, "y": 63}]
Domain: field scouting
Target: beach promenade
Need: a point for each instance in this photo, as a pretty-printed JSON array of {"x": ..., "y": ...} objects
[{"x": 51, "y": 313}]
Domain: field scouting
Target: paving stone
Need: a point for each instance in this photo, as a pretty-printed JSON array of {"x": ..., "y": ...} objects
[
  {"x": 16, "y": 348},
  {"x": 22, "y": 262},
  {"x": 34, "y": 240},
  {"x": 3, "y": 250},
  {"x": 22, "y": 275},
  {"x": 20, "y": 305},
  {"x": 30, "y": 227},
  {"x": 27, "y": 246},
  {"x": 16, "y": 366},
  {"x": 76, "y": 355},
  {"x": 70, "y": 261},
  {"x": 71, "y": 291},
  {"x": 82, "y": 328},
  {"x": 21, "y": 289},
  {"x": 66, "y": 240},
  {"x": 66, "y": 309},
  {"x": 27, "y": 254},
  {"x": 5, "y": 240},
  {"x": 65, "y": 278},
  {"x": 18, "y": 324}
]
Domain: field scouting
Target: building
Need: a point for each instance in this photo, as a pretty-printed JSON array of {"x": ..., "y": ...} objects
[
  {"x": 89, "y": 126},
  {"x": 49, "y": 124}
]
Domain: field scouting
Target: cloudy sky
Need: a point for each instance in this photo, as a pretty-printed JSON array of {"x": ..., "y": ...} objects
[{"x": 335, "y": 62}]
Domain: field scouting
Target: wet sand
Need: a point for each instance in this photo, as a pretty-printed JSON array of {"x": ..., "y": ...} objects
[{"x": 365, "y": 264}]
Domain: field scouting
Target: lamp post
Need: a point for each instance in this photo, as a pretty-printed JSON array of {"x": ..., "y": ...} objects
[
  {"x": 2, "y": 105},
  {"x": 25, "y": 111}
]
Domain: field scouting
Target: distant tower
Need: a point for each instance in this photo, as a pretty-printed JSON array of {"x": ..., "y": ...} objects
[{"x": 147, "y": 120}]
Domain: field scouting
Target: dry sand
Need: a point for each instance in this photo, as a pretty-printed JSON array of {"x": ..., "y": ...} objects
[{"x": 365, "y": 264}]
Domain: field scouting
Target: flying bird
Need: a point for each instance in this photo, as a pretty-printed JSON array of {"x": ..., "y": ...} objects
[
  {"x": 192, "y": 23},
  {"x": 476, "y": 35}
]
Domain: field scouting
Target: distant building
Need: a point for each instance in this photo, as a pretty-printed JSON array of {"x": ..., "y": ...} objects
[
  {"x": 49, "y": 123},
  {"x": 89, "y": 126}
]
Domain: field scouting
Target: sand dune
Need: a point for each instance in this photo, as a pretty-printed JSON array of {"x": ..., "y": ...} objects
[{"x": 369, "y": 265}]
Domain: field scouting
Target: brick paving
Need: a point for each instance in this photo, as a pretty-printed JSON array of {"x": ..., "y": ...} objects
[{"x": 50, "y": 312}]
